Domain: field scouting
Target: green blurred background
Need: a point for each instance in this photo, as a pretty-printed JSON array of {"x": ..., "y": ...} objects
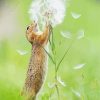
[{"x": 81, "y": 84}]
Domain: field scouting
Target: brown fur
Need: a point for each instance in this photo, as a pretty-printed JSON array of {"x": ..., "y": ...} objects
[{"x": 37, "y": 66}]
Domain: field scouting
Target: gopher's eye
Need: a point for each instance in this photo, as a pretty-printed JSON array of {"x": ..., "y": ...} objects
[{"x": 27, "y": 27}]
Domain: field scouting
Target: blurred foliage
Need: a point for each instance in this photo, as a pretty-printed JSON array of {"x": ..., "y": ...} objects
[{"x": 81, "y": 84}]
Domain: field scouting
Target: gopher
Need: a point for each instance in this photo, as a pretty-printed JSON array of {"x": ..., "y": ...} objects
[{"x": 38, "y": 61}]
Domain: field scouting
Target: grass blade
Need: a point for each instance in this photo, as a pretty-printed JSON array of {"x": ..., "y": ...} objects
[{"x": 64, "y": 55}]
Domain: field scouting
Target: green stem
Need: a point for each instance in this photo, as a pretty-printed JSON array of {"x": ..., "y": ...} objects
[
  {"x": 49, "y": 55},
  {"x": 64, "y": 55},
  {"x": 54, "y": 55}
]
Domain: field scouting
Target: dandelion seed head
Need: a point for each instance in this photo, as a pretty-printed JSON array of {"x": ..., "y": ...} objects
[{"x": 51, "y": 10}]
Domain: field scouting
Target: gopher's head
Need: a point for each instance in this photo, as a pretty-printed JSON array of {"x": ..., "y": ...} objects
[
  {"x": 35, "y": 36},
  {"x": 31, "y": 32}
]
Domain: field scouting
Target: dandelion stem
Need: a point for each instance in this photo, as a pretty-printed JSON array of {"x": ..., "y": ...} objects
[
  {"x": 52, "y": 39},
  {"x": 64, "y": 55},
  {"x": 49, "y": 56},
  {"x": 54, "y": 57},
  {"x": 57, "y": 89}
]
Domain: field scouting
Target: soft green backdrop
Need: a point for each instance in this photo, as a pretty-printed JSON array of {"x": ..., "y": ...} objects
[{"x": 81, "y": 84}]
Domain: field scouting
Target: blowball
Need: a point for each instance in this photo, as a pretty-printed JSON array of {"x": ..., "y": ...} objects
[{"x": 52, "y": 11}]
